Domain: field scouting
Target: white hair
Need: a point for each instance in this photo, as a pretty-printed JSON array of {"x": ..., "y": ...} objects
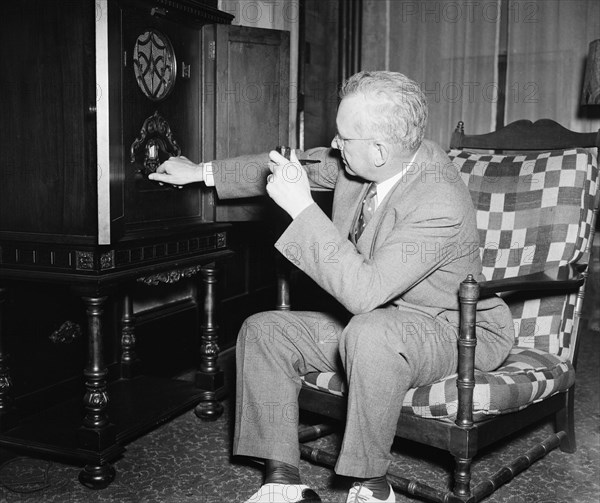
[{"x": 397, "y": 107}]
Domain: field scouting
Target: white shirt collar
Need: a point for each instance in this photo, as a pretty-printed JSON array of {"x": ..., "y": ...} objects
[{"x": 383, "y": 188}]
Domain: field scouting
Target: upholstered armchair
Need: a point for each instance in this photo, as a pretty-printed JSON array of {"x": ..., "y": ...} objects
[{"x": 535, "y": 191}]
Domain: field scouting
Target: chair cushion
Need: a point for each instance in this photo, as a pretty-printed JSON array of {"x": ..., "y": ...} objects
[{"x": 527, "y": 376}]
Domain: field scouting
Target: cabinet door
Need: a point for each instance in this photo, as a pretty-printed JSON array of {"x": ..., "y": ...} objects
[
  {"x": 245, "y": 103},
  {"x": 47, "y": 128},
  {"x": 159, "y": 82}
]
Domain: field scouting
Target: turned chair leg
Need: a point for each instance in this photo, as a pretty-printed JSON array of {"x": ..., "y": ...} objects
[
  {"x": 462, "y": 477},
  {"x": 564, "y": 420},
  {"x": 283, "y": 286}
]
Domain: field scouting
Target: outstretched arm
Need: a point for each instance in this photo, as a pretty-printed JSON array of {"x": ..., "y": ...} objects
[
  {"x": 178, "y": 171},
  {"x": 227, "y": 175}
]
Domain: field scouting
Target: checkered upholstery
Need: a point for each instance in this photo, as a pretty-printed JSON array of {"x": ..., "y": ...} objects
[
  {"x": 533, "y": 211},
  {"x": 527, "y": 376}
]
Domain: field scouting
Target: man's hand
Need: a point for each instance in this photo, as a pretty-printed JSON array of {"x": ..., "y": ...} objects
[
  {"x": 178, "y": 171},
  {"x": 288, "y": 184}
]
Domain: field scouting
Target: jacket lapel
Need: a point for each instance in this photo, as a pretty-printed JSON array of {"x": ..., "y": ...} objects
[
  {"x": 369, "y": 237},
  {"x": 349, "y": 194}
]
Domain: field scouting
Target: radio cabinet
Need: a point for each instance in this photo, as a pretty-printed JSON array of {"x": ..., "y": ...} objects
[{"x": 95, "y": 94}]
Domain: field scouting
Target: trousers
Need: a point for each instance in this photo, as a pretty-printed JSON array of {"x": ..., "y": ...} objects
[{"x": 382, "y": 353}]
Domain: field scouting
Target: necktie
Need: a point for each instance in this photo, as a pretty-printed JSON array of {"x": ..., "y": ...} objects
[{"x": 367, "y": 210}]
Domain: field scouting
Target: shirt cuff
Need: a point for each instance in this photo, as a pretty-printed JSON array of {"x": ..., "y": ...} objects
[
  {"x": 297, "y": 211},
  {"x": 207, "y": 174}
]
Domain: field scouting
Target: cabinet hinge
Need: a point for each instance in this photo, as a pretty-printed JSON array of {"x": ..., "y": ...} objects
[{"x": 212, "y": 50}]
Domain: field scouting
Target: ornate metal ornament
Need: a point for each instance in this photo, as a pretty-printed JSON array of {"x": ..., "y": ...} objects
[
  {"x": 154, "y": 64},
  {"x": 154, "y": 145}
]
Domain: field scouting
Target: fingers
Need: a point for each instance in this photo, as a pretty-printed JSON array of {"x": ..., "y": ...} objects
[
  {"x": 158, "y": 176},
  {"x": 163, "y": 178},
  {"x": 279, "y": 162},
  {"x": 164, "y": 167},
  {"x": 276, "y": 157}
]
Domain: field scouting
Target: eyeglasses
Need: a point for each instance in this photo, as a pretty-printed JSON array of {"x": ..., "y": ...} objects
[{"x": 339, "y": 141}]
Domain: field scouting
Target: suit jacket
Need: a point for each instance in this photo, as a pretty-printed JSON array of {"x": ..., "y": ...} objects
[{"x": 420, "y": 244}]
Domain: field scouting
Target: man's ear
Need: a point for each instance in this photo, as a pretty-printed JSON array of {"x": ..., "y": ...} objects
[{"x": 381, "y": 154}]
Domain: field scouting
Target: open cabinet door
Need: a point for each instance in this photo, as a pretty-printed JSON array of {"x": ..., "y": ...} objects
[{"x": 245, "y": 104}]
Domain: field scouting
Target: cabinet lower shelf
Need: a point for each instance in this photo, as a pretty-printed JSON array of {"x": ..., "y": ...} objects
[{"x": 136, "y": 406}]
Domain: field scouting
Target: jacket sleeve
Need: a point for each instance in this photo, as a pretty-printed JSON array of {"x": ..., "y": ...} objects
[{"x": 246, "y": 176}]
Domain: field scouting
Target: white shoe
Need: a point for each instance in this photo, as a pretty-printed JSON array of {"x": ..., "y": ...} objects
[
  {"x": 284, "y": 493},
  {"x": 361, "y": 494}
]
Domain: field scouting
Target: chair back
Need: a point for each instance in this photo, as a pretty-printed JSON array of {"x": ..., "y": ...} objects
[{"x": 536, "y": 205}]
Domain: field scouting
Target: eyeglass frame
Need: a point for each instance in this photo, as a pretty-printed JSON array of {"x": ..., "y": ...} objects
[{"x": 339, "y": 141}]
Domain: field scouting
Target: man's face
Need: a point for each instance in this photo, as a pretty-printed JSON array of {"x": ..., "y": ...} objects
[{"x": 356, "y": 152}]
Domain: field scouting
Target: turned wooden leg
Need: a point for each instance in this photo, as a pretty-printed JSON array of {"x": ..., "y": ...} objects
[
  {"x": 283, "y": 285},
  {"x": 96, "y": 433},
  {"x": 462, "y": 477},
  {"x": 129, "y": 361},
  {"x": 209, "y": 377},
  {"x": 463, "y": 439},
  {"x": 7, "y": 410},
  {"x": 564, "y": 420}
]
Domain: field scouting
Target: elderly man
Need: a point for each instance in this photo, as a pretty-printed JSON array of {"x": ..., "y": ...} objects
[{"x": 401, "y": 239}]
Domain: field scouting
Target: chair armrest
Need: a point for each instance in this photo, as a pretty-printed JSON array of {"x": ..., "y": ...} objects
[{"x": 568, "y": 277}]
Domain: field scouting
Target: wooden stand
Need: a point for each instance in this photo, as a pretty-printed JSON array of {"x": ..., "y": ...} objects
[{"x": 93, "y": 431}]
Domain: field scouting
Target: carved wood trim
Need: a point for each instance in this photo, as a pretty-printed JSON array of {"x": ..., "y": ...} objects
[
  {"x": 205, "y": 12},
  {"x": 66, "y": 333},
  {"x": 169, "y": 277},
  {"x": 56, "y": 257}
]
